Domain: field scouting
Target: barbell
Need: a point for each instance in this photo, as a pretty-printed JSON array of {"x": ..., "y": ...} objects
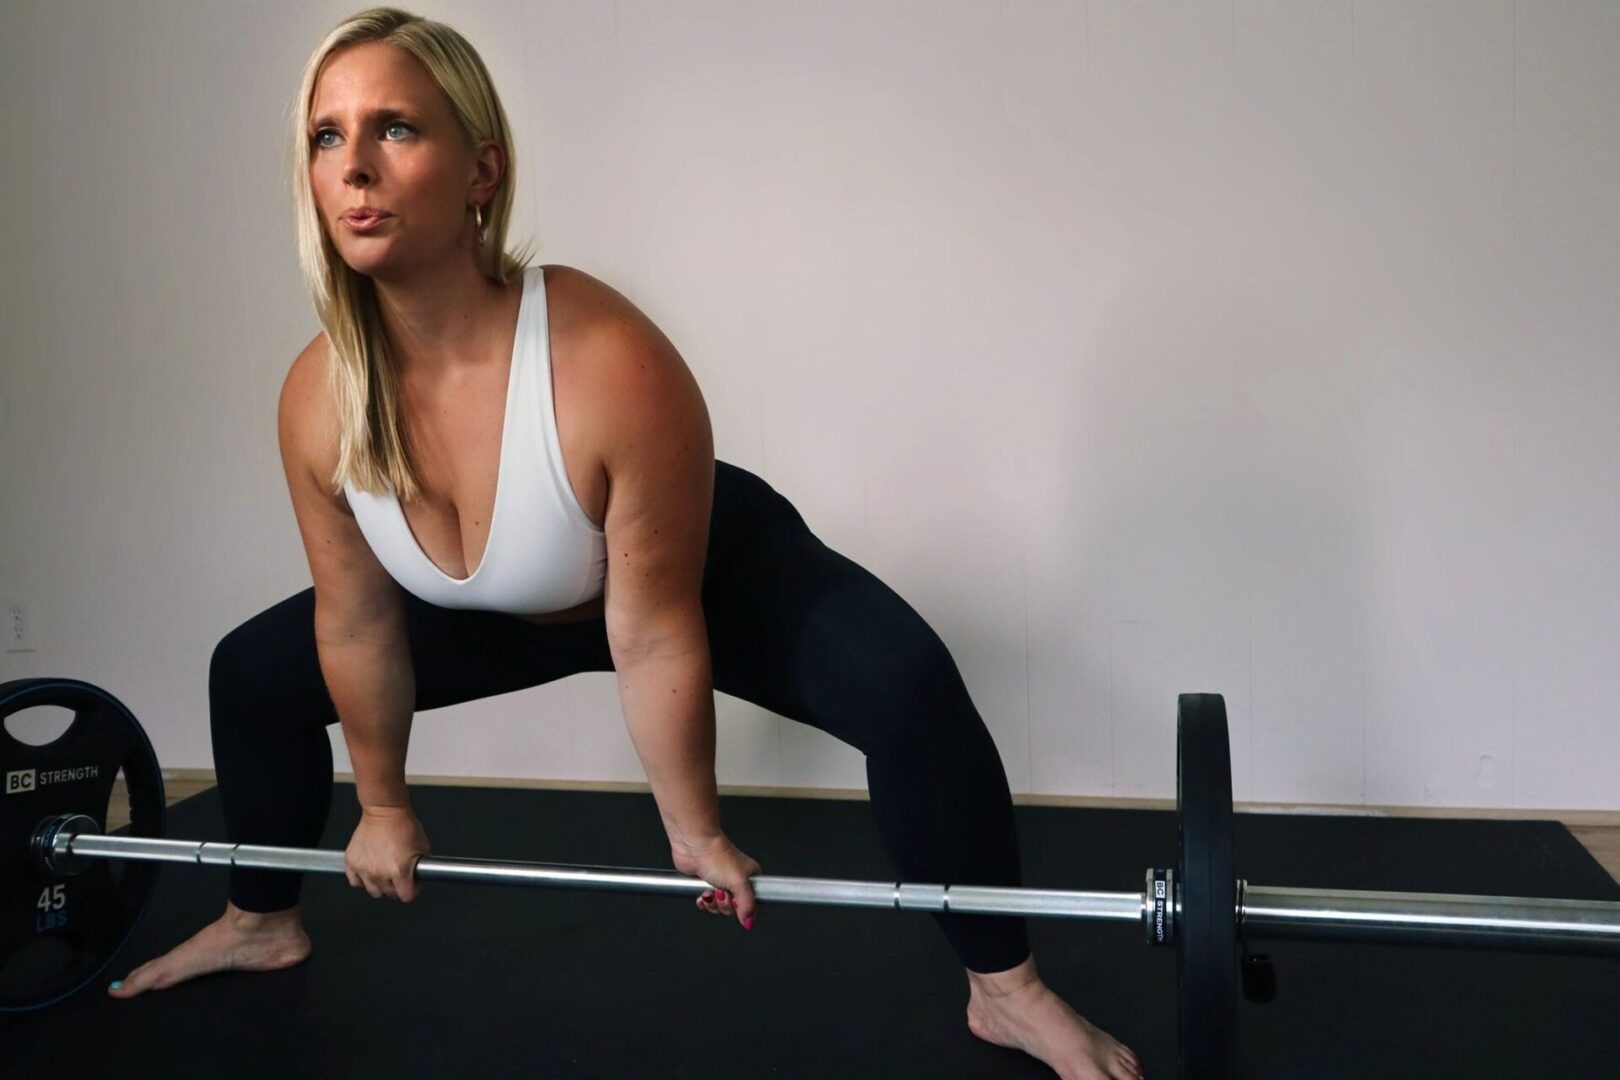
[{"x": 66, "y": 912}]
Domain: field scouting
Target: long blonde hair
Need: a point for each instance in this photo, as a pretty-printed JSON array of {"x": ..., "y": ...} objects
[{"x": 373, "y": 447}]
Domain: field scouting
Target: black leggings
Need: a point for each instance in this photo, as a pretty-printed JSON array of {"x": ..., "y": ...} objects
[{"x": 794, "y": 627}]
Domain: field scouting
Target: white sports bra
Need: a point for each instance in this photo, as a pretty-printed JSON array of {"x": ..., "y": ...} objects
[{"x": 543, "y": 554}]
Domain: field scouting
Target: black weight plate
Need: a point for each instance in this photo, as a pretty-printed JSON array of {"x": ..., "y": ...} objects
[
  {"x": 57, "y": 934},
  {"x": 1206, "y": 931}
]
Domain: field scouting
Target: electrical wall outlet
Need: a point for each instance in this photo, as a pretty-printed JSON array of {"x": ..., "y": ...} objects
[{"x": 16, "y": 628}]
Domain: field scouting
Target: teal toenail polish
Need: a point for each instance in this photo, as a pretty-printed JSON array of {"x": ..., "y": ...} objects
[{"x": 118, "y": 984}]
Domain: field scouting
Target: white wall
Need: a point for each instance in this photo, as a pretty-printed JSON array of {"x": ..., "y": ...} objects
[{"x": 1267, "y": 348}]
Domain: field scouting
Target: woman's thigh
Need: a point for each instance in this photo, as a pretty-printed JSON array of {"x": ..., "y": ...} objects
[
  {"x": 460, "y": 655},
  {"x": 808, "y": 633},
  {"x": 271, "y": 662}
]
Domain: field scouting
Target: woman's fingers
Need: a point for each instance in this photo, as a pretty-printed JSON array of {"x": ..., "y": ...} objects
[
  {"x": 715, "y": 902},
  {"x": 378, "y": 888}
]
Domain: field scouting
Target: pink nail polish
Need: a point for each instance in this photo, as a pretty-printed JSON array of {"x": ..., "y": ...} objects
[{"x": 748, "y": 924}]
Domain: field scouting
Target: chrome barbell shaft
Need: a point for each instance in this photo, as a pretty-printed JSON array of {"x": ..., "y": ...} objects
[{"x": 905, "y": 896}]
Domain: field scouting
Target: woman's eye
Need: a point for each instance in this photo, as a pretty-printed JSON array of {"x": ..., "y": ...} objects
[{"x": 329, "y": 131}]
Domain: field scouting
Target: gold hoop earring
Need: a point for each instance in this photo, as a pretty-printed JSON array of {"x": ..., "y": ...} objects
[{"x": 478, "y": 223}]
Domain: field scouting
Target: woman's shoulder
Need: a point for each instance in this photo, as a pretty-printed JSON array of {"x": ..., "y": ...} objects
[
  {"x": 307, "y": 416},
  {"x": 305, "y": 388},
  {"x": 604, "y": 339},
  {"x": 582, "y": 306},
  {"x": 619, "y": 375}
]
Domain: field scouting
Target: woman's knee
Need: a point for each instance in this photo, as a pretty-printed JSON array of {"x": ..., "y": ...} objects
[
  {"x": 916, "y": 699},
  {"x": 265, "y": 659}
]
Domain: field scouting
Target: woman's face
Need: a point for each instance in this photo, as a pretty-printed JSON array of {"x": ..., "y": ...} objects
[{"x": 382, "y": 135}]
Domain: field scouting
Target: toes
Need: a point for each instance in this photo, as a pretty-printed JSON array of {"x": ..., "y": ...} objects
[
  {"x": 129, "y": 988},
  {"x": 131, "y": 984}
]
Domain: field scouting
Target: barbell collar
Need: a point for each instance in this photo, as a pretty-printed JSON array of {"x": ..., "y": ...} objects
[{"x": 55, "y": 857}]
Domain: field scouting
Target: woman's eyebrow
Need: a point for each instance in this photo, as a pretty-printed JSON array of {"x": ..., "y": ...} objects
[{"x": 385, "y": 110}]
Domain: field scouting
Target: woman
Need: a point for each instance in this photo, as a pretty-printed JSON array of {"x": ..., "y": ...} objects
[{"x": 503, "y": 475}]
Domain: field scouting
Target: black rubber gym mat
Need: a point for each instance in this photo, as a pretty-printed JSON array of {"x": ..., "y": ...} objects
[{"x": 486, "y": 981}]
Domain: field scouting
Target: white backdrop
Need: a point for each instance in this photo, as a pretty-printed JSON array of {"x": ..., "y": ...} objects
[{"x": 1259, "y": 347}]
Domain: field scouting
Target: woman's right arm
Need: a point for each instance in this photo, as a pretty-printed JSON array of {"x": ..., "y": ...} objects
[{"x": 360, "y": 633}]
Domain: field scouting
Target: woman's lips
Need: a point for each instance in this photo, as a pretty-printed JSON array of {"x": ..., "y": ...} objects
[{"x": 364, "y": 223}]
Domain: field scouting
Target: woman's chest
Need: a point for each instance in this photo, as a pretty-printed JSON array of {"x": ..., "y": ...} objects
[{"x": 458, "y": 431}]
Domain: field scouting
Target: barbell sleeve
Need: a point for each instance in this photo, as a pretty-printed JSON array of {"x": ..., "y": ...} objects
[{"x": 1525, "y": 924}]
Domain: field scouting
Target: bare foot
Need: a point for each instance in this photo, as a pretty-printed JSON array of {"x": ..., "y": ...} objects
[
  {"x": 237, "y": 941},
  {"x": 1016, "y": 1009}
]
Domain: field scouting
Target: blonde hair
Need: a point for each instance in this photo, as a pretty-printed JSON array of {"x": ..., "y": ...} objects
[{"x": 373, "y": 446}]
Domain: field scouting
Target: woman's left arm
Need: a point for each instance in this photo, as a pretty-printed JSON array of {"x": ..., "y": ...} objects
[{"x": 658, "y": 451}]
